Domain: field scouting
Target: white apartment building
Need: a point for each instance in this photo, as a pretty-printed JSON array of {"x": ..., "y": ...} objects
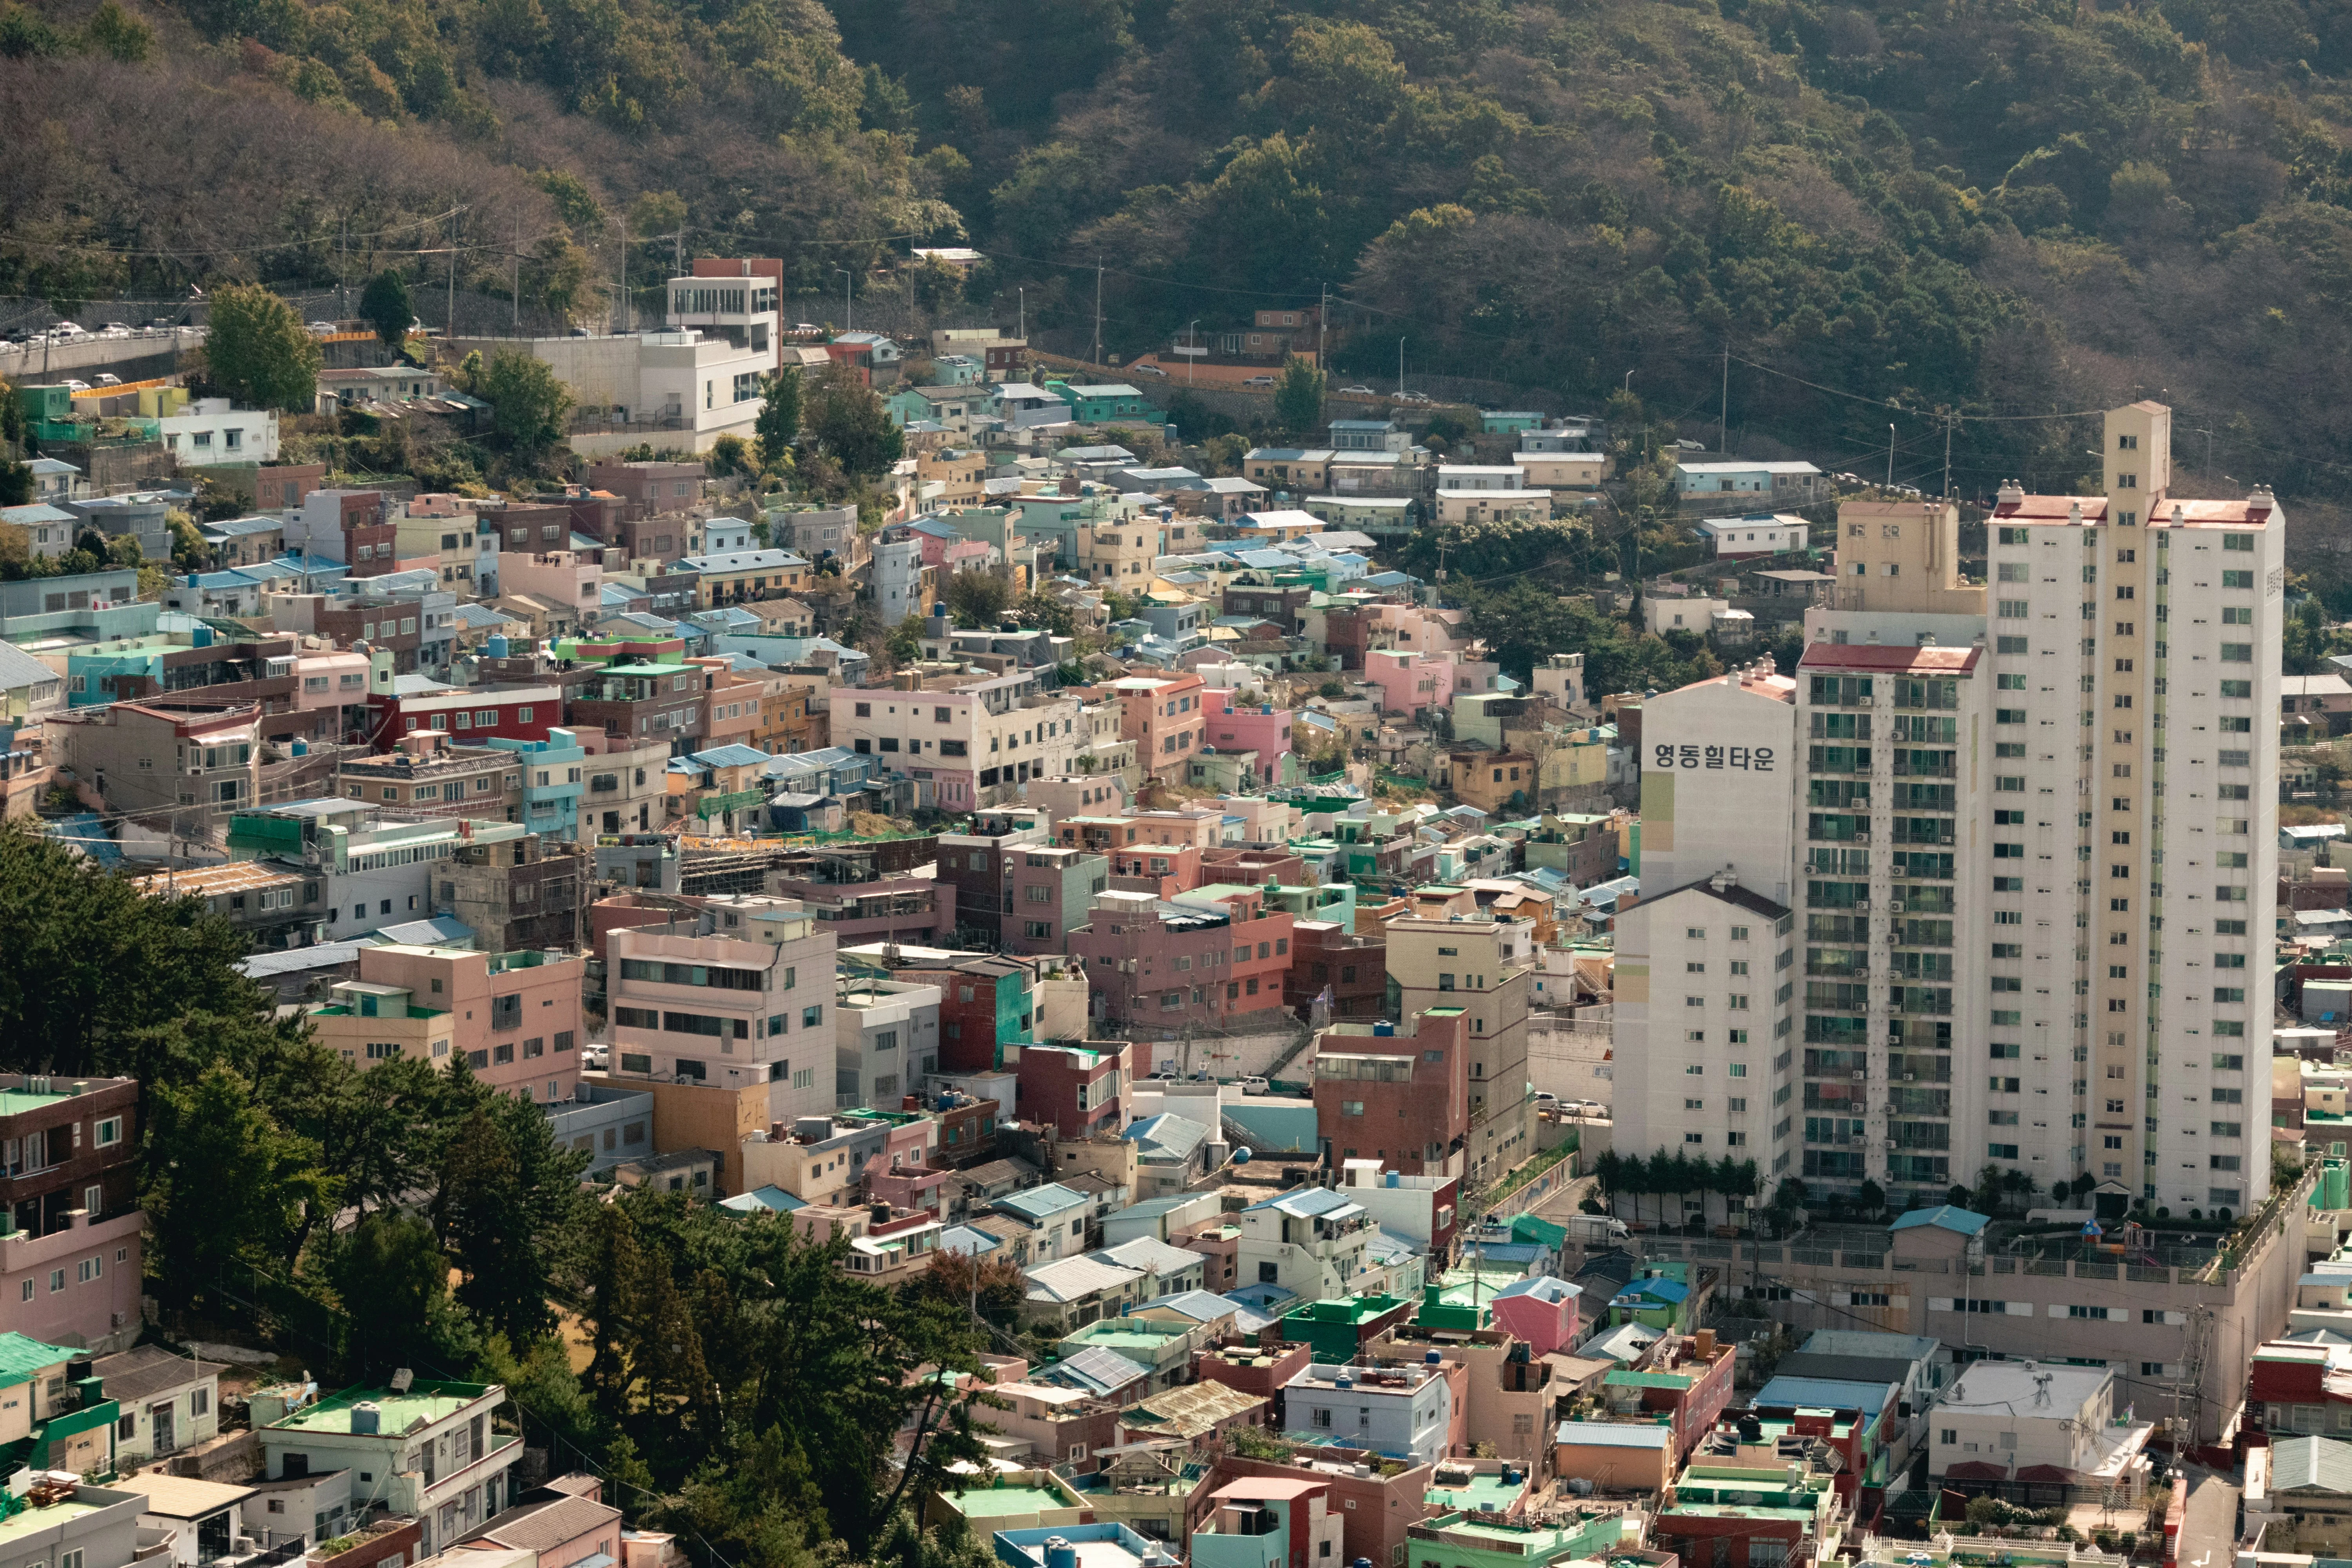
[
  {"x": 970, "y": 745},
  {"x": 213, "y": 430},
  {"x": 2021, "y": 845}
]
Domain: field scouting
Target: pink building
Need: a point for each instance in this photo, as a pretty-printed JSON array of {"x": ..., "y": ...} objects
[
  {"x": 514, "y": 1017},
  {"x": 1263, "y": 729},
  {"x": 748, "y": 1007},
  {"x": 1410, "y": 681},
  {"x": 562, "y": 575},
  {"x": 1541, "y": 1313},
  {"x": 1156, "y": 967},
  {"x": 1165, "y": 716},
  {"x": 79, "y": 1284},
  {"x": 338, "y": 679}
]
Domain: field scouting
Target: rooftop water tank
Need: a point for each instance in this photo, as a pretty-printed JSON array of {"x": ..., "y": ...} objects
[
  {"x": 367, "y": 1416},
  {"x": 1430, "y": 1358},
  {"x": 495, "y": 647},
  {"x": 1060, "y": 1554}
]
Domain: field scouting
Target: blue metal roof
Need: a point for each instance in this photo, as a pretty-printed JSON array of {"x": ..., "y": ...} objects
[
  {"x": 1038, "y": 1204},
  {"x": 769, "y": 1199},
  {"x": 1654, "y": 1289},
  {"x": 1943, "y": 1216},
  {"x": 1094, "y": 1368},
  {"x": 1826, "y": 1394},
  {"x": 729, "y": 757},
  {"x": 1203, "y": 1306}
]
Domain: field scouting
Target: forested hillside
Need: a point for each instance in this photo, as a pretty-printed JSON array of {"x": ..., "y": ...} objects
[{"x": 2003, "y": 209}]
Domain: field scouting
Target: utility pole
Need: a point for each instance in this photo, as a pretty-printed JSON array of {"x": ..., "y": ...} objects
[
  {"x": 1322, "y": 314},
  {"x": 344, "y": 269},
  {"x": 514, "y": 268},
  {"x": 1890, "y": 454},
  {"x": 677, "y": 264},
  {"x": 1400, "y": 367},
  {"x": 1192, "y": 334},
  {"x": 1022, "y": 331},
  {"x": 449, "y": 327},
  {"x": 624, "y": 274},
  {"x": 1723, "y": 414},
  {"x": 1098, "y": 274},
  {"x": 1948, "y": 454}
]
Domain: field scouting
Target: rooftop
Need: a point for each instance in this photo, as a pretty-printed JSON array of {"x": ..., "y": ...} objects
[{"x": 423, "y": 1403}]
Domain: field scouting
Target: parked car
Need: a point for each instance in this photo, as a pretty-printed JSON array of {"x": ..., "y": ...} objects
[
  {"x": 1255, "y": 1086},
  {"x": 164, "y": 323},
  {"x": 1259, "y": 381},
  {"x": 66, "y": 329},
  {"x": 1147, "y": 370},
  {"x": 108, "y": 378},
  {"x": 596, "y": 1056},
  {"x": 323, "y": 328},
  {"x": 1358, "y": 391},
  {"x": 72, "y": 386},
  {"x": 114, "y": 329}
]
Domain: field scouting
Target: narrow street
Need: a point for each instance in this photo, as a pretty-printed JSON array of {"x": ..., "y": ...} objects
[{"x": 2209, "y": 1536}]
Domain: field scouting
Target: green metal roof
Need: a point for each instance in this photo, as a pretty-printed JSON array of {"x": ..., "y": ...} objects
[
  {"x": 22, "y": 1358},
  {"x": 2310, "y": 1464}
]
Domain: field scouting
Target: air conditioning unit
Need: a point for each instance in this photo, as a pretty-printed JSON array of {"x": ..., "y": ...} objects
[
  {"x": 1894, "y": 906},
  {"x": 1860, "y": 1076},
  {"x": 1886, "y": 1142},
  {"x": 1910, "y": 1077}
]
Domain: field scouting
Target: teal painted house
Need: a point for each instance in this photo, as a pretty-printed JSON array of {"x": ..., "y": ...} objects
[{"x": 1105, "y": 401}]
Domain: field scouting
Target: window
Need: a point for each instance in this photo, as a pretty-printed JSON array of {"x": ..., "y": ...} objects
[{"x": 109, "y": 1128}]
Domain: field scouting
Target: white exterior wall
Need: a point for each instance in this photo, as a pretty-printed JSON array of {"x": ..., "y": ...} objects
[
  {"x": 211, "y": 431},
  {"x": 1705, "y": 1026}
]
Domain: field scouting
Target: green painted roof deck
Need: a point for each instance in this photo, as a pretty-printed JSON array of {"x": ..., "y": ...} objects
[
  {"x": 13, "y": 1101},
  {"x": 1009, "y": 1502},
  {"x": 29, "y": 1521},
  {"x": 424, "y": 1402},
  {"x": 1483, "y": 1492},
  {"x": 344, "y": 1010}
]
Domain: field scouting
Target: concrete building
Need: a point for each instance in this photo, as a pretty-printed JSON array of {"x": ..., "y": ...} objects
[
  {"x": 1399, "y": 1412},
  {"x": 739, "y": 1002},
  {"x": 515, "y": 1017},
  {"x": 2039, "y": 1423},
  {"x": 181, "y": 767},
  {"x": 977, "y": 741},
  {"x": 2149, "y": 625},
  {"x": 429, "y": 1450},
  {"x": 1484, "y": 964}
]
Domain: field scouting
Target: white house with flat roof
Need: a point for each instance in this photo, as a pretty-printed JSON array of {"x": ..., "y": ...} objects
[
  {"x": 426, "y": 1449},
  {"x": 1764, "y": 534},
  {"x": 1402, "y": 1412}
]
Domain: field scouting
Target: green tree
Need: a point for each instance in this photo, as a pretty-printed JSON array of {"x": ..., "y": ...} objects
[
  {"x": 527, "y": 402},
  {"x": 226, "y": 1185},
  {"x": 849, "y": 424},
  {"x": 16, "y": 483},
  {"x": 730, "y": 455},
  {"x": 1298, "y": 395},
  {"x": 384, "y": 305},
  {"x": 778, "y": 422},
  {"x": 507, "y": 1196},
  {"x": 904, "y": 642},
  {"x": 977, "y": 599},
  {"x": 257, "y": 349},
  {"x": 118, "y": 35},
  {"x": 393, "y": 1280}
]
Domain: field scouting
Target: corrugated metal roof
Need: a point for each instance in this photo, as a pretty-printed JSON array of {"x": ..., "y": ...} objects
[
  {"x": 1073, "y": 1279},
  {"x": 1094, "y": 1369},
  {"x": 2311, "y": 1465},
  {"x": 1615, "y": 1435}
]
